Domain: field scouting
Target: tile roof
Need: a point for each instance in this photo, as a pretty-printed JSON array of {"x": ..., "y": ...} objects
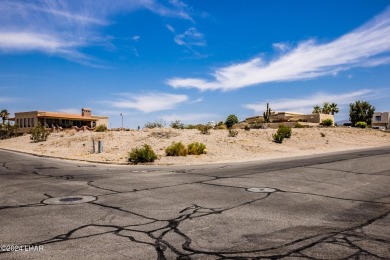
[{"x": 64, "y": 116}]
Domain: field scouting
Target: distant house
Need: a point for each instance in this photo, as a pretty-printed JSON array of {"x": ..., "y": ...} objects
[
  {"x": 381, "y": 120},
  {"x": 27, "y": 120},
  {"x": 292, "y": 118}
]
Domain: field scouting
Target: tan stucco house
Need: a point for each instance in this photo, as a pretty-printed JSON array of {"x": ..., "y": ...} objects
[
  {"x": 381, "y": 119},
  {"x": 27, "y": 120},
  {"x": 291, "y": 118}
]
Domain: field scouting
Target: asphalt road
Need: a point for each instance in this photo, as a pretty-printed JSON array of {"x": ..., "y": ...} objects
[{"x": 335, "y": 206}]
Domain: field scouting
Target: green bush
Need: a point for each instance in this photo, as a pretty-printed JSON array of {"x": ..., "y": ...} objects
[
  {"x": 176, "y": 149},
  {"x": 190, "y": 126},
  {"x": 155, "y": 124},
  {"x": 177, "y": 124},
  {"x": 285, "y": 131},
  {"x": 361, "y": 124},
  {"x": 327, "y": 122},
  {"x": 101, "y": 128},
  {"x": 247, "y": 128},
  {"x": 258, "y": 124},
  {"x": 196, "y": 148},
  {"x": 221, "y": 127},
  {"x": 298, "y": 125},
  {"x": 8, "y": 131},
  {"x": 142, "y": 155},
  {"x": 231, "y": 120},
  {"x": 232, "y": 133},
  {"x": 278, "y": 137},
  {"x": 204, "y": 129},
  {"x": 39, "y": 133}
]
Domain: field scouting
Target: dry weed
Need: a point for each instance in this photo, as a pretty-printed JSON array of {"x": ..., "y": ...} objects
[{"x": 163, "y": 134}]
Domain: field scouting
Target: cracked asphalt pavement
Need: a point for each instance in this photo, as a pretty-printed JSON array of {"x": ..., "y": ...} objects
[{"x": 333, "y": 206}]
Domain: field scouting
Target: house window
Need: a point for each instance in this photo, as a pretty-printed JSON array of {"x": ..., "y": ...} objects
[
  {"x": 378, "y": 118},
  {"x": 32, "y": 122},
  {"x": 24, "y": 122},
  {"x": 28, "y": 120}
]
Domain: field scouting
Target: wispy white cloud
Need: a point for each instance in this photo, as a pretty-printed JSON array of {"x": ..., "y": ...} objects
[
  {"x": 280, "y": 46},
  {"x": 170, "y": 28},
  {"x": 148, "y": 103},
  {"x": 176, "y": 9},
  {"x": 190, "y": 38},
  {"x": 197, "y": 100},
  {"x": 136, "y": 38},
  {"x": 366, "y": 46},
  {"x": 191, "y": 118},
  {"x": 63, "y": 28},
  {"x": 33, "y": 41},
  {"x": 306, "y": 104}
]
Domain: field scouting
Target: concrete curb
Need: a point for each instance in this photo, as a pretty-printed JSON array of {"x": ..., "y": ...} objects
[{"x": 63, "y": 158}]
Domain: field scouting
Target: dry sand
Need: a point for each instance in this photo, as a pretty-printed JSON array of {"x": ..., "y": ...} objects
[{"x": 247, "y": 145}]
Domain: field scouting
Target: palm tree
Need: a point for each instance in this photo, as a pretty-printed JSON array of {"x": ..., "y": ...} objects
[
  {"x": 361, "y": 111},
  {"x": 4, "y": 115},
  {"x": 326, "y": 108},
  {"x": 333, "y": 108},
  {"x": 316, "y": 109}
]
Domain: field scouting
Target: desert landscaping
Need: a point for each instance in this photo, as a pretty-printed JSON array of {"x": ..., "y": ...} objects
[{"x": 256, "y": 144}]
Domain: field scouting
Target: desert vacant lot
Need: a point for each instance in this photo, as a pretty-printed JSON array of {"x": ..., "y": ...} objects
[{"x": 247, "y": 145}]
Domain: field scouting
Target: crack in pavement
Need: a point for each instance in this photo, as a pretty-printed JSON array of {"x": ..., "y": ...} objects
[
  {"x": 186, "y": 251},
  {"x": 157, "y": 237}
]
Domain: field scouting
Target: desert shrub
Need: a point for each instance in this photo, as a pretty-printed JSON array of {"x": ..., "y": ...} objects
[
  {"x": 8, "y": 131},
  {"x": 163, "y": 134},
  {"x": 278, "y": 137},
  {"x": 322, "y": 134},
  {"x": 298, "y": 125},
  {"x": 155, "y": 124},
  {"x": 284, "y": 130},
  {"x": 247, "y": 128},
  {"x": 176, "y": 149},
  {"x": 39, "y": 133},
  {"x": 231, "y": 120},
  {"x": 232, "y": 133},
  {"x": 142, "y": 155},
  {"x": 327, "y": 122},
  {"x": 196, "y": 148},
  {"x": 177, "y": 124},
  {"x": 361, "y": 124},
  {"x": 204, "y": 129},
  {"x": 258, "y": 124},
  {"x": 221, "y": 127},
  {"x": 190, "y": 126},
  {"x": 101, "y": 128}
]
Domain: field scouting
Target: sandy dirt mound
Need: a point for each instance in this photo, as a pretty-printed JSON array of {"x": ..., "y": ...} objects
[{"x": 247, "y": 145}]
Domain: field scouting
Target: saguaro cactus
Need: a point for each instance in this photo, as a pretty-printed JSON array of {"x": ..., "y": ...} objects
[{"x": 267, "y": 114}]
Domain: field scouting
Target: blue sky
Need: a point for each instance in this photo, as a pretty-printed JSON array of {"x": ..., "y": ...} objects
[{"x": 194, "y": 61}]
